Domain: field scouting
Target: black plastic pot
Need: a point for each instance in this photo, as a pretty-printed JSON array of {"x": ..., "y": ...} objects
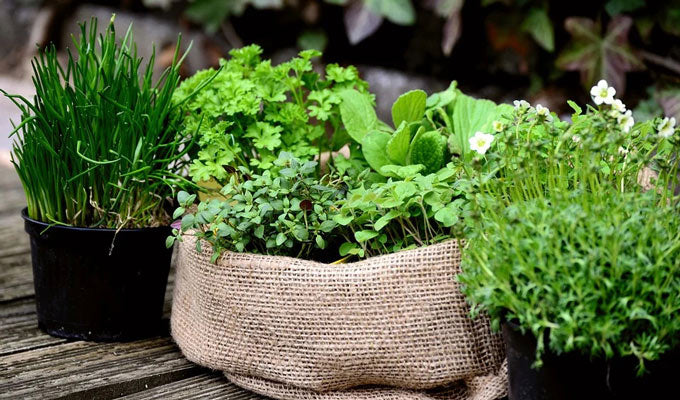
[
  {"x": 574, "y": 376},
  {"x": 87, "y": 289}
]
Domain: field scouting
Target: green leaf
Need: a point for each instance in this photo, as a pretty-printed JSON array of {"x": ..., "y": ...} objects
[
  {"x": 280, "y": 238},
  {"x": 259, "y": 232},
  {"x": 409, "y": 107},
  {"x": 538, "y": 24},
  {"x": 374, "y": 149},
  {"x": 443, "y": 98},
  {"x": 320, "y": 242},
  {"x": 169, "y": 241},
  {"x": 385, "y": 219},
  {"x": 575, "y": 107},
  {"x": 347, "y": 248},
  {"x": 616, "y": 7},
  {"x": 357, "y": 113},
  {"x": 448, "y": 216},
  {"x": 397, "y": 147},
  {"x": 397, "y": 11},
  {"x": 470, "y": 115},
  {"x": 188, "y": 222},
  {"x": 210, "y": 13},
  {"x": 402, "y": 172},
  {"x": 343, "y": 219},
  {"x": 404, "y": 190},
  {"x": 362, "y": 236},
  {"x": 178, "y": 213},
  {"x": 428, "y": 150}
]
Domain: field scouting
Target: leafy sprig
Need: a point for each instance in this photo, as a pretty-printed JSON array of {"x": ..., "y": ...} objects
[
  {"x": 289, "y": 214},
  {"x": 598, "y": 273},
  {"x": 253, "y": 110}
]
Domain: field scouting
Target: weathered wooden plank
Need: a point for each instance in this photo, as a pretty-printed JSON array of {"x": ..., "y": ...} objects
[
  {"x": 92, "y": 370},
  {"x": 12, "y": 198},
  {"x": 19, "y": 328},
  {"x": 16, "y": 277},
  {"x": 209, "y": 385}
]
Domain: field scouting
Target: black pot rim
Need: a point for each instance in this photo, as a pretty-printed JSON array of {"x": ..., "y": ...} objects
[{"x": 45, "y": 225}]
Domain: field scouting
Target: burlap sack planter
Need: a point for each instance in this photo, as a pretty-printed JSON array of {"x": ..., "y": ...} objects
[{"x": 389, "y": 327}]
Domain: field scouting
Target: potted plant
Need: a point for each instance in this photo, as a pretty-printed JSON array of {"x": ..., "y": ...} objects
[
  {"x": 98, "y": 154},
  {"x": 255, "y": 295},
  {"x": 572, "y": 256},
  {"x": 252, "y": 110}
]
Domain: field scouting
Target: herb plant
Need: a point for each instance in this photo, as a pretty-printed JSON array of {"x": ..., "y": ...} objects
[
  {"x": 598, "y": 273},
  {"x": 532, "y": 154},
  {"x": 252, "y": 110},
  {"x": 98, "y": 146},
  {"x": 428, "y": 131},
  {"x": 290, "y": 214},
  {"x": 407, "y": 212},
  {"x": 575, "y": 228}
]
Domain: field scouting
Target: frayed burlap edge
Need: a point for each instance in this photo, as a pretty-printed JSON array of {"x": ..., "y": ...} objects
[{"x": 489, "y": 387}]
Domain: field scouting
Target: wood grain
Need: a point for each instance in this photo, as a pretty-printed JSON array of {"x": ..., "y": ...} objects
[
  {"x": 19, "y": 328},
  {"x": 92, "y": 370},
  {"x": 209, "y": 385}
]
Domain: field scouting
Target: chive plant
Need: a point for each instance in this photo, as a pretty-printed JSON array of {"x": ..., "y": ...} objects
[{"x": 99, "y": 145}]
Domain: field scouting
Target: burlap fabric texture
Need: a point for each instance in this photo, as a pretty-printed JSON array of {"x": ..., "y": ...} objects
[{"x": 389, "y": 327}]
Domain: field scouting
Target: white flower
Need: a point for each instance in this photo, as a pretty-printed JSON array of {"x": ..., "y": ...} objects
[
  {"x": 626, "y": 121},
  {"x": 602, "y": 93},
  {"x": 543, "y": 112},
  {"x": 618, "y": 105},
  {"x": 498, "y": 126},
  {"x": 623, "y": 151},
  {"x": 521, "y": 106},
  {"x": 481, "y": 142},
  {"x": 576, "y": 138},
  {"x": 666, "y": 127}
]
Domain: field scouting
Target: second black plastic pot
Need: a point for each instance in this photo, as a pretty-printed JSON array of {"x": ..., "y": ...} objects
[
  {"x": 575, "y": 376},
  {"x": 96, "y": 284}
]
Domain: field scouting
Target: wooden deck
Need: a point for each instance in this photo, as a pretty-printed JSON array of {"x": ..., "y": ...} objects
[{"x": 34, "y": 365}]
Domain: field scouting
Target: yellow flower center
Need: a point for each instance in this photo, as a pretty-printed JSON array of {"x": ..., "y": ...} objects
[{"x": 603, "y": 92}]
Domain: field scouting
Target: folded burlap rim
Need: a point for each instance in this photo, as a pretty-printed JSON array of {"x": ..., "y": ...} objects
[{"x": 389, "y": 327}]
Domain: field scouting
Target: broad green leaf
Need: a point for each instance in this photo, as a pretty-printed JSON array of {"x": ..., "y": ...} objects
[
  {"x": 469, "y": 116},
  {"x": 397, "y": 147},
  {"x": 537, "y": 23},
  {"x": 357, "y": 113},
  {"x": 448, "y": 216},
  {"x": 428, "y": 150},
  {"x": 169, "y": 241},
  {"x": 362, "y": 236},
  {"x": 443, "y": 98},
  {"x": 374, "y": 149},
  {"x": 409, "y": 107},
  {"x": 404, "y": 190}
]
